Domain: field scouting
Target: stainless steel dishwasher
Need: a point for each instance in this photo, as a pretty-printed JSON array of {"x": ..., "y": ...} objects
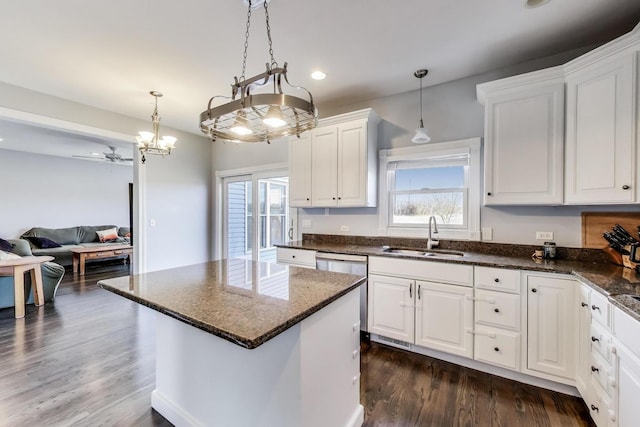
[{"x": 353, "y": 264}]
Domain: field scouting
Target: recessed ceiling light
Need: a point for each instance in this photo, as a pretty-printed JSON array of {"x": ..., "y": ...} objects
[
  {"x": 535, "y": 3},
  {"x": 95, "y": 154},
  {"x": 318, "y": 75},
  {"x": 1, "y": 139}
]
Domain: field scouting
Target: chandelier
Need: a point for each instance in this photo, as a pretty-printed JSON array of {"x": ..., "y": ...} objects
[
  {"x": 151, "y": 142},
  {"x": 254, "y": 117}
]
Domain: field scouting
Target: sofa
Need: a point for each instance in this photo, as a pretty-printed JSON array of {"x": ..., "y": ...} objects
[
  {"x": 52, "y": 274},
  {"x": 72, "y": 238}
]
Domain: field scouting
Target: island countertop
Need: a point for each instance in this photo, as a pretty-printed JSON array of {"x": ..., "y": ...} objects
[{"x": 242, "y": 301}]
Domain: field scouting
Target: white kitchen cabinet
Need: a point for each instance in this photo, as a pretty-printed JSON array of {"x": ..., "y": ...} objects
[
  {"x": 296, "y": 257},
  {"x": 524, "y": 139},
  {"x": 391, "y": 307},
  {"x": 627, "y": 352},
  {"x": 444, "y": 318},
  {"x": 601, "y": 131},
  {"x": 336, "y": 163},
  {"x": 551, "y": 317},
  {"x": 430, "y": 313},
  {"x": 300, "y": 168},
  {"x": 583, "y": 373},
  {"x": 324, "y": 166}
]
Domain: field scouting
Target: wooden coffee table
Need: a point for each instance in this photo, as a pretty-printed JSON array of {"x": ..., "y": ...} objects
[
  {"x": 81, "y": 255},
  {"x": 17, "y": 268}
]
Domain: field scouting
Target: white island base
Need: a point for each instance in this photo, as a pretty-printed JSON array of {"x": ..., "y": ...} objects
[{"x": 307, "y": 376}]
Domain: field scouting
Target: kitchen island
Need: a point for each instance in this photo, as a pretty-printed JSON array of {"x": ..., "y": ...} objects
[{"x": 240, "y": 343}]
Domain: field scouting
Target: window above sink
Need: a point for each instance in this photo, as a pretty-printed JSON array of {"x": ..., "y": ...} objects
[{"x": 440, "y": 180}]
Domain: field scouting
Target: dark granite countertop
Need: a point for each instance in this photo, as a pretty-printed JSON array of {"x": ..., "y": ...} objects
[
  {"x": 244, "y": 302},
  {"x": 611, "y": 280}
]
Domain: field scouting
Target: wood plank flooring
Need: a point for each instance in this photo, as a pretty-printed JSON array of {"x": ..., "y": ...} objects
[{"x": 88, "y": 360}]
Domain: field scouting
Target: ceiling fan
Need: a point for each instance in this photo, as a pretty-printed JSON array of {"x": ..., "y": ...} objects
[{"x": 112, "y": 157}]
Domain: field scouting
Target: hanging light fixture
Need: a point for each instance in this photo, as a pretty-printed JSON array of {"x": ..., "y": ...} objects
[
  {"x": 256, "y": 117},
  {"x": 421, "y": 133},
  {"x": 151, "y": 142}
]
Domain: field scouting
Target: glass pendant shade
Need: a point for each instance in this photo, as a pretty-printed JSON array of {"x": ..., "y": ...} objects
[
  {"x": 421, "y": 134},
  {"x": 274, "y": 118}
]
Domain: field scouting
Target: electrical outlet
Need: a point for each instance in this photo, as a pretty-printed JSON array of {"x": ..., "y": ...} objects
[
  {"x": 306, "y": 223},
  {"x": 544, "y": 235},
  {"x": 487, "y": 234},
  {"x": 344, "y": 228}
]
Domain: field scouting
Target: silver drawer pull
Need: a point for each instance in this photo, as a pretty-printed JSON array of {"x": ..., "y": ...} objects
[
  {"x": 354, "y": 381},
  {"x": 355, "y": 353},
  {"x": 356, "y": 326}
]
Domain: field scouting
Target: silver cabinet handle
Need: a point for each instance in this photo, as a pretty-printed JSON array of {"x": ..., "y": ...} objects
[
  {"x": 410, "y": 290},
  {"x": 419, "y": 286}
]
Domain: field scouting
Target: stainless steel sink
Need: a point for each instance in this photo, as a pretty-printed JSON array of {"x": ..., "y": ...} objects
[{"x": 433, "y": 253}]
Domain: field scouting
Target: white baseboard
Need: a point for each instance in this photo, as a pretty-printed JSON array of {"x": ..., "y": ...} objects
[{"x": 172, "y": 412}]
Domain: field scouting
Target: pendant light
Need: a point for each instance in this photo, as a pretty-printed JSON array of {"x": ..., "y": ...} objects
[
  {"x": 421, "y": 133},
  {"x": 151, "y": 142},
  {"x": 254, "y": 117}
]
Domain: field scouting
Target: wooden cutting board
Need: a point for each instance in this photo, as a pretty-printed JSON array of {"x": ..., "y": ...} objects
[{"x": 596, "y": 223}]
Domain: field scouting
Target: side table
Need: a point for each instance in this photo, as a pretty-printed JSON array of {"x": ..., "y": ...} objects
[{"x": 17, "y": 268}]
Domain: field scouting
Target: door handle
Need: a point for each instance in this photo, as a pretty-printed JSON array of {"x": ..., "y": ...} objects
[{"x": 410, "y": 290}]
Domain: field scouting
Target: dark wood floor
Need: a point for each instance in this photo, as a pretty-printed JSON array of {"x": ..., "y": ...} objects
[{"x": 88, "y": 360}]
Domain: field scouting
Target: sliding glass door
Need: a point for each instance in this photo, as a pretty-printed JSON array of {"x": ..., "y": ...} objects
[{"x": 256, "y": 215}]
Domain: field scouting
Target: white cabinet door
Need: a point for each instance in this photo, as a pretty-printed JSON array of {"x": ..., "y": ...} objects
[
  {"x": 391, "y": 307},
  {"x": 524, "y": 137},
  {"x": 628, "y": 388},
  {"x": 600, "y": 147},
  {"x": 444, "y": 318},
  {"x": 551, "y": 326},
  {"x": 300, "y": 171},
  {"x": 324, "y": 168},
  {"x": 352, "y": 163},
  {"x": 583, "y": 373}
]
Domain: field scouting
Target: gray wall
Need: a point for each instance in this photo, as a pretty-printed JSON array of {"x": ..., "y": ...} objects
[
  {"x": 55, "y": 192},
  {"x": 178, "y": 187},
  {"x": 451, "y": 112}
]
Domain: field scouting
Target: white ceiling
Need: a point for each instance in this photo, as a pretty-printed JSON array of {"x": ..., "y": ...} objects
[{"x": 109, "y": 54}]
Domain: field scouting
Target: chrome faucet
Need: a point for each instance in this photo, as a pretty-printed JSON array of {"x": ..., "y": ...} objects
[{"x": 432, "y": 243}]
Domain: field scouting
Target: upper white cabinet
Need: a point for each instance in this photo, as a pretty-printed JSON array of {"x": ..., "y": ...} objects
[
  {"x": 601, "y": 123},
  {"x": 523, "y": 140},
  {"x": 335, "y": 164},
  {"x": 529, "y": 125},
  {"x": 300, "y": 168}
]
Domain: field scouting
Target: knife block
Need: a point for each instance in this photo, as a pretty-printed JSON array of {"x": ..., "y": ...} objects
[
  {"x": 615, "y": 256},
  {"x": 626, "y": 261}
]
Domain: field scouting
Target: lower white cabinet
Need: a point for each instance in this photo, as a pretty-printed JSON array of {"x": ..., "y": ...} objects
[
  {"x": 444, "y": 318},
  {"x": 391, "y": 307},
  {"x": 497, "y": 347},
  {"x": 551, "y": 339},
  {"x": 296, "y": 257},
  {"x": 626, "y": 349},
  {"x": 583, "y": 373}
]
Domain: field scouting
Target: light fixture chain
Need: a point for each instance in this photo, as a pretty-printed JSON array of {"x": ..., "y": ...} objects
[
  {"x": 246, "y": 42},
  {"x": 266, "y": 14}
]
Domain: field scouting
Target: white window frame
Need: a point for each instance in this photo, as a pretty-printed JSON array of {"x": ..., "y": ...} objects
[{"x": 469, "y": 146}]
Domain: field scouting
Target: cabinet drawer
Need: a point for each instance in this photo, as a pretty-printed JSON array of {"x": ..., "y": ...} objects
[
  {"x": 497, "y": 309},
  {"x": 103, "y": 254},
  {"x": 601, "y": 341},
  {"x": 627, "y": 331},
  {"x": 497, "y": 279},
  {"x": 602, "y": 372},
  {"x": 600, "y": 407},
  {"x": 497, "y": 347},
  {"x": 455, "y": 274},
  {"x": 600, "y": 309},
  {"x": 299, "y": 257}
]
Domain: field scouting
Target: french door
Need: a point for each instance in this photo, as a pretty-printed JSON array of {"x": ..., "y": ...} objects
[{"x": 256, "y": 215}]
